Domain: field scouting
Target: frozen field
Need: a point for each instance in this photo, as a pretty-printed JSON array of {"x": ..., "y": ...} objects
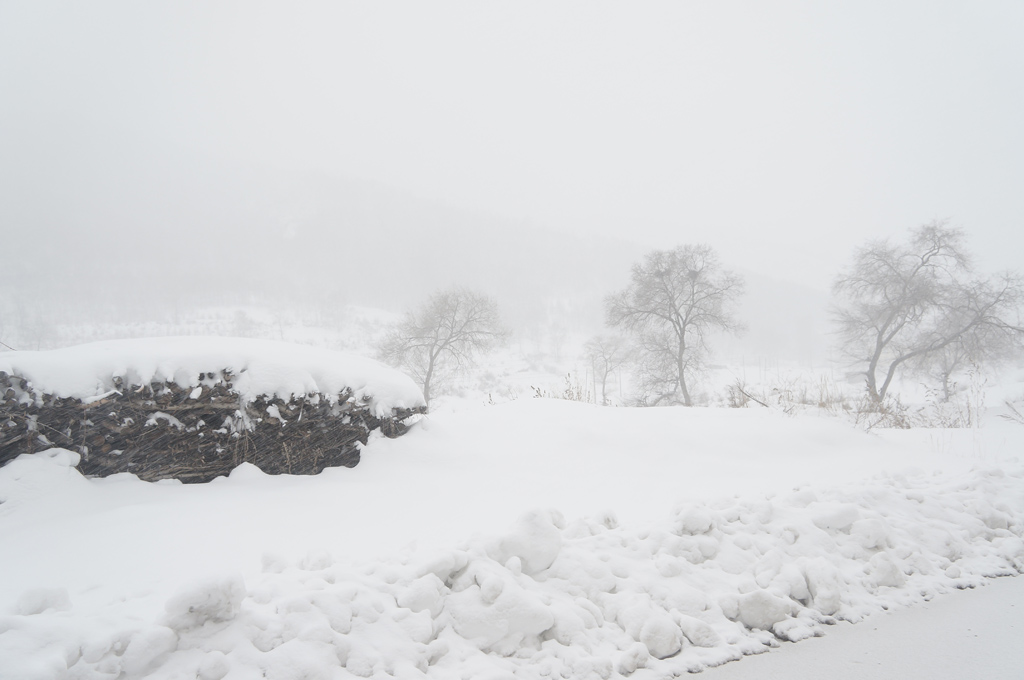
[{"x": 535, "y": 538}]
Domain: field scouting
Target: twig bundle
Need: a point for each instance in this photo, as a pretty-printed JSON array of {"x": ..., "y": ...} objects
[{"x": 162, "y": 430}]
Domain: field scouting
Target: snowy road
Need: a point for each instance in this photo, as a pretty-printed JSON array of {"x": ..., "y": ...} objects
[{"x": 971, "y": 634}]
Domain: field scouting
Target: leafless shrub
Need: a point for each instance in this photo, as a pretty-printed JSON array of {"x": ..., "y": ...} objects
[
  {"x": 574, "y": 390},
  {"x": 607, "y": 354},
  {"x": 1015, "y": 415},
  {"x": 890, "y": 413}
]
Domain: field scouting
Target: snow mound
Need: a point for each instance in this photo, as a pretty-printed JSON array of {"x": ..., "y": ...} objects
[
  {"x": 261, "y": 367},
  {"x": 215, "y": 600},
  {"x": 551, "y": 598}
]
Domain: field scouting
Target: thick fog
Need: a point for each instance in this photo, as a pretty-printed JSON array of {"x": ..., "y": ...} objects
[{"x": 158, "y": 157}]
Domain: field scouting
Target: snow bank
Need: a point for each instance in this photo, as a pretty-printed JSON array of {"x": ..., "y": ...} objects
[
  {"x": 261, "y": 367},
  {"x": 585, "y": 598}
]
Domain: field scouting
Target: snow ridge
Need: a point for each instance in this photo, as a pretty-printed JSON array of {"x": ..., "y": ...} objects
[
  {"x": 261, "y": 367},
  {"x": 551, "y": 598}
]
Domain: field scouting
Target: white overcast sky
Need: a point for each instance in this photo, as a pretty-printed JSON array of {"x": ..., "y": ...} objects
[{"x": 782, "y": 133}]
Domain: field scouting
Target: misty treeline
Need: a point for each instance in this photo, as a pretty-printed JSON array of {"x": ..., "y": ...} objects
[{"x": 914, "y": 306}]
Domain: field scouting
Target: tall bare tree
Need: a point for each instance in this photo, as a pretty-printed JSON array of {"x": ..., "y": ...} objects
[
  {"x": 674, "y": 301},
  {"x": 443, "y": 336},
  {"x": 900, "y": 305}
]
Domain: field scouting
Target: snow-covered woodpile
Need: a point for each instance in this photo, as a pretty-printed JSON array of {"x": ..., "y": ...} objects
[{"x": 195, "y": 408}]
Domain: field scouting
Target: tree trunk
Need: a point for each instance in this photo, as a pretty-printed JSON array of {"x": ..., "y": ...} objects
[
  {"x": 427, "y": 378},
  {"x": 889, "y": 375},
  {"x": 686, "y": 392},
  {"x": 872, "y": 368},
  {"x": 681, "y": 367}
]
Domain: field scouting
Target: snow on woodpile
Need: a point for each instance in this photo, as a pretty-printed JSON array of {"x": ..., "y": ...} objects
[{"x": 194, "y": 408}]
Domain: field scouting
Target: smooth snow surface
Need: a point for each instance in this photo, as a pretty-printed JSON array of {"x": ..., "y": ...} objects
[
  {"x": 553, "y": 539},
  {"x": 259, "y": 367}
]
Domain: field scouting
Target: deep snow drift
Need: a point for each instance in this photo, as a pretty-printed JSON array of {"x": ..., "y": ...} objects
[{"x": 648, "y": 542}]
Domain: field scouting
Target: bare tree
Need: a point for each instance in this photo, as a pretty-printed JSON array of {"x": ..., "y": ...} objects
[
  {"x": 606, "y": 354},
  {"x": 443, "y": 336},
  {"x": 676, "y": 298},
  {"x": 983, "y": 345},
  {"x": 901, "y": 305}
]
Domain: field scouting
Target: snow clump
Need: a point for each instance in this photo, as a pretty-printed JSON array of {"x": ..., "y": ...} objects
[{"x": 550, "y": 598}]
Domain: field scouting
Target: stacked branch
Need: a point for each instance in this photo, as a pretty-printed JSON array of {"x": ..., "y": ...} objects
[{"x": 194, "y": 434}]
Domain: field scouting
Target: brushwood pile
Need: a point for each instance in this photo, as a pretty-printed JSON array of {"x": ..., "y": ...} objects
[{"x": 150, "y": 410}]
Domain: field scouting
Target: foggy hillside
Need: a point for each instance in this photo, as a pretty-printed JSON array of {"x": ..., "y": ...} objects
[
  {"x": 135, "y": 247},
  {"x": 239, "y": 233}
]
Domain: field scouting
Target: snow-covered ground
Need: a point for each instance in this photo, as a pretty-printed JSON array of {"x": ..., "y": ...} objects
[
  {"x": 535, "y": 538},
  {"x": 508, "y": 536}
]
